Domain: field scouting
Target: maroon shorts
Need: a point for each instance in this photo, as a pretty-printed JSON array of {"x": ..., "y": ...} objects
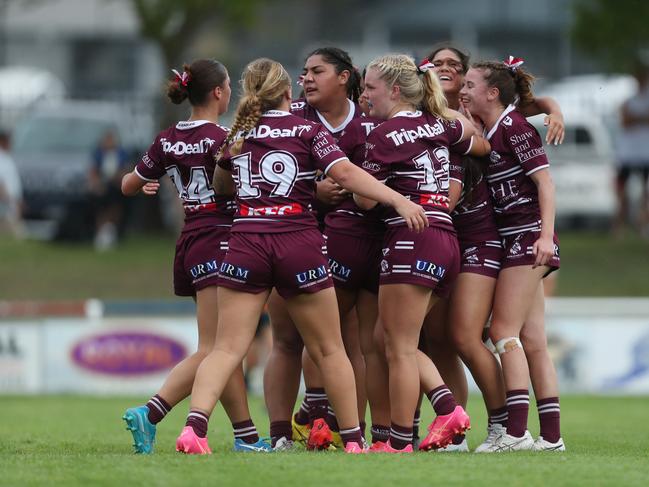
[
  {"x": 430, "y": 259},
  {"x": 199, "y": 254},
  {"x": 291, "y": 262},
  {"x": 354, "y": 261},
  {"x": 482, "y": 258},
  {"x": 518, "y": 250}
]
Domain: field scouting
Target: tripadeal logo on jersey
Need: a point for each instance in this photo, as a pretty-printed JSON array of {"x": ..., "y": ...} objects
[
  {"x": 182, "y": 148},
  {"x": 402, "y": 136}
]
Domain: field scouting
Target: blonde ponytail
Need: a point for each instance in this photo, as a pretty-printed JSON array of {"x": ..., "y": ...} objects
[
  {"x": 264, "y": 83},
  {"x": 401, "y": 70}
]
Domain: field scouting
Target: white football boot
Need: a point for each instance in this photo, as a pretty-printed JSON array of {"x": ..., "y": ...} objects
[
  {"x": 542, "y": 445},
  {"x": 451, "y": 448},
  {"x": 493, "y": 432},
  {"x": 506, "y": 442}
]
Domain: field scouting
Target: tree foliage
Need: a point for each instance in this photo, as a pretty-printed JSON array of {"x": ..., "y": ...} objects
[
  {"x": 175, "y": 24},
  {"x": 616, "y": 31}
]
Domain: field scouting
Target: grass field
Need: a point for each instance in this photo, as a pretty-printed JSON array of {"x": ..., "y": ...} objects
[
  {"x": 81, "y": 441},
  {"x": 141, "y": 268}
]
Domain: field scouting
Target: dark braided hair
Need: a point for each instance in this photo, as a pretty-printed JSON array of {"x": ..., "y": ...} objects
[{"x": 341, "y": 61}]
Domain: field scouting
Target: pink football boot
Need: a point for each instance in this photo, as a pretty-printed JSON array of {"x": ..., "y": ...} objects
[
  {"x": 189, "y": 442},
  {"x": 387, "y": 448},
  {"x": 444, "y": 428},
  {"x": 355, "y": 449},
  {"x": 377, "y": 446}
]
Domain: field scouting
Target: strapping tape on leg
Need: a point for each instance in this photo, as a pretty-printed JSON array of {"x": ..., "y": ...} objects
[
  {"x": 490, "y": 345},
  {"x": 508, "y": 344}
]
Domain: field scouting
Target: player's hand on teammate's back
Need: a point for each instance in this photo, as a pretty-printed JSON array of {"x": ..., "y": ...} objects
[
  {"x": 151, "y": 188},
  {"x": 414, "y": 214},
  {"x": 330, "y": 192}
]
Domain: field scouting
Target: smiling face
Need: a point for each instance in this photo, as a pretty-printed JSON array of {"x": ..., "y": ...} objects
[
  {"x": 321, "y": 83},
  {"x": 381, "y": 98},
  {"x": 476, "y": 94},
  {"x": 449, "y": 70}
]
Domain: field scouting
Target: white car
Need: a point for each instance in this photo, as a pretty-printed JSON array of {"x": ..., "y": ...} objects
[{"x": 583, "y": 169}]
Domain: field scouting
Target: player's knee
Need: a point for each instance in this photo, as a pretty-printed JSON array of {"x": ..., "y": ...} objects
[
  {"x": 532, "y": 342},
  {"x": 508, "y": 344},
  {"x": 288, "y": 346}
]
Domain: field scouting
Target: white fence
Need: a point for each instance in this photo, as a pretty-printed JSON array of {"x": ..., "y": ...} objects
[{"x": 599, "y": 346}]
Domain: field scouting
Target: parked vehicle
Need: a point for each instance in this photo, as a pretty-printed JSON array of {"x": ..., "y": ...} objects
[{"x": 53, "y": 150}]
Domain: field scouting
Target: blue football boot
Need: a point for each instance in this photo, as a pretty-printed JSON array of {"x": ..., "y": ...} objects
[
  {"x": 261, "y": 446},
  {"x": 143, "y": 431}
]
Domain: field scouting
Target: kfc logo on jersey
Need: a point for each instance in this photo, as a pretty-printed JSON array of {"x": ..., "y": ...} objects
[
  {"x": 182, "y": 148},
  {"x": 312, "y": 276},
  {"x": 280, "y": 210},
  {"x": 429, "y": 269},
  {"x": 339, "y": 271},
  {"x": 402, "y": 136}
]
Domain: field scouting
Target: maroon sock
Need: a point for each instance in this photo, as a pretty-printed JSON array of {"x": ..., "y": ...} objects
[
  {"x": 318, "y": 403},
  {"x": 415, "y": 424},
  {"x": 302, "y": 415},
  {"x": 279, "y": 429},
  {"x": 518, "y": 405},
  {"x": 331, "y": 419},
  {"x": 442, "y": 400},
  {"x": 158, "y": 409},
  {"x": 352, "y": 434},
  {"x": 549, "y": 418},
  {"x": 498, "y": 416},
  {"x": 198, "y": 421},
  {"x": 380, "y": 433},
  {"x": 400, "y": 436},
  {"x": 246, "y": 431},
  {"x": 362, "y": 426}
]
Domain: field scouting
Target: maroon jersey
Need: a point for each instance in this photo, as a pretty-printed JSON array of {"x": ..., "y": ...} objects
[
  {"x": 347, "y": 217},
  {"x": 473, "y": 215},
  {"x": 276, "y": 171},
  {"x": 516, "y": 153},
  {"x": 302, "y": 109},
  {"x": 410, "y": 152},
  {"x": 186, "y": 153}
]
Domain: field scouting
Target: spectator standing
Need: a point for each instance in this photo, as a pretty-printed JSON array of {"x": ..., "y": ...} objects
[{"x": 11, "y": 192}]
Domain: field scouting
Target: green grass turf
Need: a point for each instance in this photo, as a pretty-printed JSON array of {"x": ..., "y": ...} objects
[
  {"x": 76, "y": 440},
  {"x": 141, "y": 268}
]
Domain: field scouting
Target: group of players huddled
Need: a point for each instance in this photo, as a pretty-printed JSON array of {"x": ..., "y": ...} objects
[{"x": 384, "y": 219}]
